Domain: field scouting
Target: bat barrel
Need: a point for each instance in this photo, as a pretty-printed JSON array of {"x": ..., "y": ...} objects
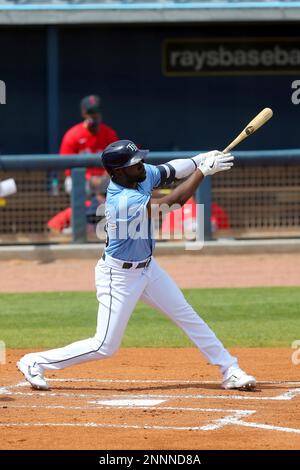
[{"x": 252, "y": 127}]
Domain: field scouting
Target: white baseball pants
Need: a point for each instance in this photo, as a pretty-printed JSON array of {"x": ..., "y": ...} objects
[{"x": 118, "y": 291}]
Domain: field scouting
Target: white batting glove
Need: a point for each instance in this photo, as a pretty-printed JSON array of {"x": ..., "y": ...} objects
[
  {"x": 202, "y": 156},
  {"x": 214, "y": 164}
]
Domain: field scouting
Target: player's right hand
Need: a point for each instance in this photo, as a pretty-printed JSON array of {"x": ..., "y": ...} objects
[{"x": 215, "y": 163}]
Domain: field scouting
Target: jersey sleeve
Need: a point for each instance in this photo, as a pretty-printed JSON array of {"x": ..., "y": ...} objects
[{"x": 154, "y": 175}]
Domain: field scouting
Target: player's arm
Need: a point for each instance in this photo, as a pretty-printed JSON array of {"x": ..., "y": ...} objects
[
  {"x": 69, "y": 145},
  {"x": 183, "y": 167},
  {"x": 183, "y": 192},
  {"x": 208, "y": 166}
]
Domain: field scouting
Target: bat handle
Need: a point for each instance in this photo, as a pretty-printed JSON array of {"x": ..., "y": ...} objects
[{"x": 233, "y": 144}]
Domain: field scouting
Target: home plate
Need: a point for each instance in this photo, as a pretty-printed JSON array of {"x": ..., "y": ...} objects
[{"x": 128, "y": 402}]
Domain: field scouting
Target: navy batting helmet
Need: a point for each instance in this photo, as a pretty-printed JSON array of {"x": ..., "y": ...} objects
[{"x": 122, "y": 154}]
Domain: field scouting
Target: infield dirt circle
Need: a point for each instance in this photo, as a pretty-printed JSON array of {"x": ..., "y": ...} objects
[{"x": 154, "y": 398}]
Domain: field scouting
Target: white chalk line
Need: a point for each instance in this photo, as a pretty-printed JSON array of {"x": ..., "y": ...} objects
[
  {"x": 146, "y": 381},
  {"x": 268, "y": 427},
  {"x": 100, "y": 425},
  {"x": 228, "y": 421},
  {"x": 231, "y": 420},
  {"x": 156, "y": 408},
  {"x": 217, "y": 424},
  {"x": 24, "y": 383},
  {"x": 121, "y": 381},
  {"x": 289, "y": 395},
  {"x": 4, "y": 390},
  {"x": 235, "y": 420},
  {"x": 171, "y": 381}
]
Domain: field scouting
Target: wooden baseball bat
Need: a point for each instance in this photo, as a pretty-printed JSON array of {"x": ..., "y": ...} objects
[{"x": 253, "y": 125}]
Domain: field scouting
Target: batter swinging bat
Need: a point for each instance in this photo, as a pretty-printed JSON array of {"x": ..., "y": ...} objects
[{"x": 253, "y": 125}]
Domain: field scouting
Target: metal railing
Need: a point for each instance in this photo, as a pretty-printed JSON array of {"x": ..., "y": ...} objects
[
  {"x": 208, "y": 3},
  {"x": 260, "y": 196},
  {"x": 144, "y": 4}
]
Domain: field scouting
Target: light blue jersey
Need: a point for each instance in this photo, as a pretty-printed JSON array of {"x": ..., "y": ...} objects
[{"x": 129, "y": 234}]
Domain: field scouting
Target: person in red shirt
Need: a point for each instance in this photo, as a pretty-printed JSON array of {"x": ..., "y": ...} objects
[
  {"x": 61, "y": 222},
  {"x": 183, "y": 220},
  {"x": 89, "y": 136}
]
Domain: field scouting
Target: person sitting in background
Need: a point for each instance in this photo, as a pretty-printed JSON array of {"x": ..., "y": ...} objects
[
  {"x": 183, "y": 220},
  {"x": 89, "y": 136},
  {"x": 61, "y": 222}
]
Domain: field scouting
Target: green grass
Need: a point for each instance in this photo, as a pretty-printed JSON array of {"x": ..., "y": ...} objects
[{"x": 254, "y": 317}]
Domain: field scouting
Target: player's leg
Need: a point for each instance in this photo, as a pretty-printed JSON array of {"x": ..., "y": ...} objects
[
  {"x": 162, "y": 293},
  {"x": 118, "y": 291}
]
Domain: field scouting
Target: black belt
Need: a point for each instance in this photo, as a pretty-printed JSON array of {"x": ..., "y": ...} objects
[{"x": 127, "y": 265}]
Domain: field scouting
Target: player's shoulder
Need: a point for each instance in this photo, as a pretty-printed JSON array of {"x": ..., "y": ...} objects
[
  {"x": 107, "y": 129},
  {"x": 150, "y": 168},
  {"x": 153, "y": 174}
]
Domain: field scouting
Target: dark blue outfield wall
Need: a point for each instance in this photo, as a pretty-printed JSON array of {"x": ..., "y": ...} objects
[{"x": 124, "y": 65}]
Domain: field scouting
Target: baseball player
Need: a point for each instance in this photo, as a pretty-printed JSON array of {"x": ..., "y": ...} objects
[{"x": 128, "y": 272}]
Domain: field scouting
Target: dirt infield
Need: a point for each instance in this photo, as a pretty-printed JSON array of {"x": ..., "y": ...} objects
[
  {"x": 187, "y": 270},
  {"x": 153, "y": 399}
]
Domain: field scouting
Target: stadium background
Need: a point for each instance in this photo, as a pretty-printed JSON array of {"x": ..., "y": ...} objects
[{"x": 123, "y": 63}]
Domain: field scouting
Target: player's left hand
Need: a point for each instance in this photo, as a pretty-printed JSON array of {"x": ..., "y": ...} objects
[
  {"x": 202, "y": 156},
  {"x": 215, "y": 163}
]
